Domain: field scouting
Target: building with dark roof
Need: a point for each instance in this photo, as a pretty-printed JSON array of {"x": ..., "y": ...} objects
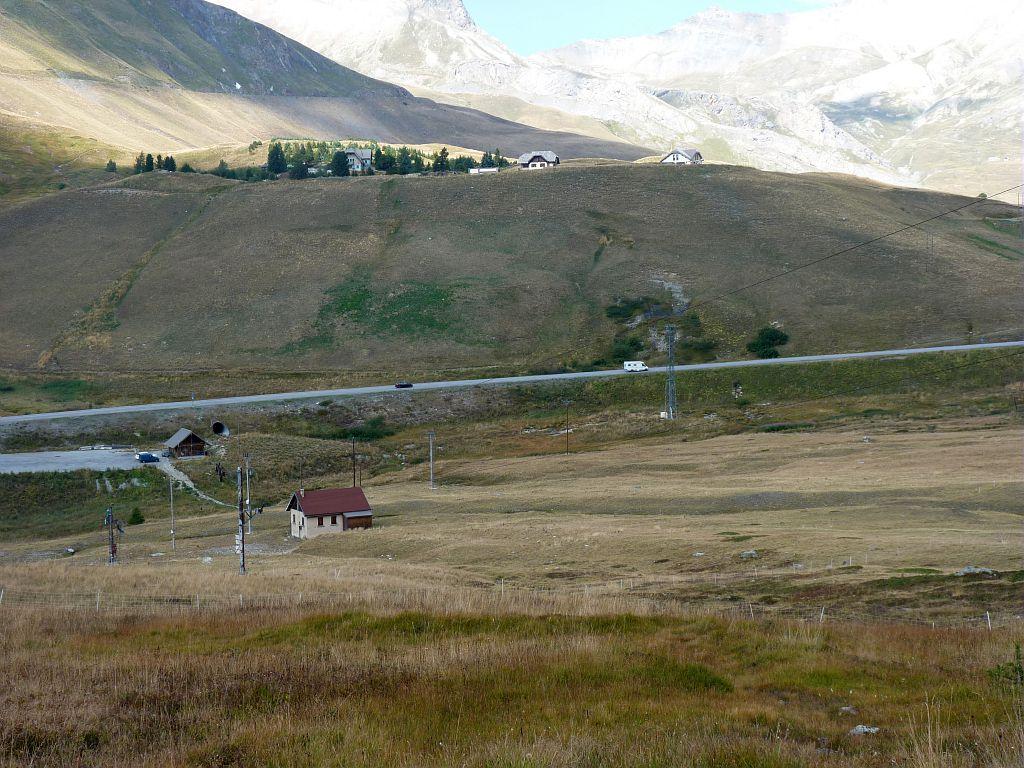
[
  {"x": 539, "y": 159},
  {"x": 185, "y": 443},
  {"x": 314, "y": 513},
  {"x": 683, "y": 157}
]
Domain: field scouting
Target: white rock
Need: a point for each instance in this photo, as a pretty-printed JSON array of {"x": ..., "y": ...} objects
[
  {"x": 973, "y": 570},
  {"x": 863, "y": 730}
]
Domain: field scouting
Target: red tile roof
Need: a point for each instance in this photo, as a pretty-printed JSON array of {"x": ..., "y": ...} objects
[{"x": 330, "y": 501}]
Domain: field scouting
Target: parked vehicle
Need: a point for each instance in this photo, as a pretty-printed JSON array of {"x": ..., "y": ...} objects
[
  {"x": 145, "y": 457},
  {"x": 635, "y": 366},
  {"x": 403, "y": 385}
]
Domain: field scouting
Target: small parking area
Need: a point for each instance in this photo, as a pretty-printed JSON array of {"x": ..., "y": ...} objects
[{"x": 67, "y": 461}]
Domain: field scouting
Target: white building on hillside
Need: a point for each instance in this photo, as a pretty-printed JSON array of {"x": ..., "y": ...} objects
[
  {"x": 683, "y": 157},
  {"x": 359, "y": 160},
  {"x": 543, "y": 159}
]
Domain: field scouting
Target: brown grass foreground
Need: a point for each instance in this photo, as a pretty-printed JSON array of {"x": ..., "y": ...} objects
[
  {"x": 387, "y": 687},
  {"x": 539, "y": 611}
]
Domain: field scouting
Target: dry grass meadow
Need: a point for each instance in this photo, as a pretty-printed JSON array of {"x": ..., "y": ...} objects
[{"x": 549, "y": 610}]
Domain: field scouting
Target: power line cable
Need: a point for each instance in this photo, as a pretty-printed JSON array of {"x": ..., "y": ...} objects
[{"x": 848, "y": 249}]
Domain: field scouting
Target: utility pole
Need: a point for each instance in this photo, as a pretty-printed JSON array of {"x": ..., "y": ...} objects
[
  {"x": 248, "y": 498},
  {"x": 112, "y": 524},
  {"x": 240, "y": 535},
  {"x": 670, "y": 383},
  {"x": 170, "y": 483},
  {"x": 353, "y": 462},
  {"x": 567, "y": 404},
  {"x": 430, "y": 436}
]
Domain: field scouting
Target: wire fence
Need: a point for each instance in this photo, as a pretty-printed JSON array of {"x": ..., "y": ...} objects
[{"x": 446, "y": 599}]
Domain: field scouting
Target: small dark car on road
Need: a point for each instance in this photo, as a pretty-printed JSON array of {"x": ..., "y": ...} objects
[
  {"x": 403, "y": 385},
  {"x": 145, "y": 457}
]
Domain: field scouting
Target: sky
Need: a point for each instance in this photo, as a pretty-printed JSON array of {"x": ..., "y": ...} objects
[{"x": 528, "y": 26}]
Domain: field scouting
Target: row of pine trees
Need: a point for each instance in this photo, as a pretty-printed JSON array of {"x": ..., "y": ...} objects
[
  {"x": 296, "y": 159},
  {"x": 146, "y": 163}
]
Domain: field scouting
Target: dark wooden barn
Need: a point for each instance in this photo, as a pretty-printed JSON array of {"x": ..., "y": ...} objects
[{"x": 185, "y": 443}]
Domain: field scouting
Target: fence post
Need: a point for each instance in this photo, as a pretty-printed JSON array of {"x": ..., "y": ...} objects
[
  {"x": 97, "y": 599},
  {"x": 988, "y": 619},
  {"x": 1, "y": 597},
  {"x": 821, "y": 616}
]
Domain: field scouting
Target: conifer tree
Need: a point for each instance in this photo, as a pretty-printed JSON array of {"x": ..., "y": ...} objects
[
  {"x": 404, "y": 161},
  {"x": 276, "y": 161},
  {"x": 339, "y": 164},
  {"x": 441, "y": 161}
]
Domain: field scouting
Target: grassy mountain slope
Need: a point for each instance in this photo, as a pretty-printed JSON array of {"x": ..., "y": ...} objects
[
  {"x": 414, "y": 274},
  {"x": 185, "y": 43},
  {"x": 172, "y": 75}
]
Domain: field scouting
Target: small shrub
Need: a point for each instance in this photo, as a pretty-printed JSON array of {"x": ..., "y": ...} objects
[
  {"x": 626, "y": 348},
  {"x": 136, "y": 517},
  {"x": 766, "y": 342},
  {"x": 1012, "y": 672}
]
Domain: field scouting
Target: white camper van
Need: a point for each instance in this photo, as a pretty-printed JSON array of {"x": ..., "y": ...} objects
[{"x": 634, "y": 366}]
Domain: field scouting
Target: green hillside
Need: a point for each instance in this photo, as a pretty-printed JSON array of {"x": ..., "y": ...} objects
[{"x": 519, "y": 270}]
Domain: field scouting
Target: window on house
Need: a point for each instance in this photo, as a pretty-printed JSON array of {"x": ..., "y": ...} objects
[
  {"x": 319, "y": 522},
  {"x": 334, "y": 519}
]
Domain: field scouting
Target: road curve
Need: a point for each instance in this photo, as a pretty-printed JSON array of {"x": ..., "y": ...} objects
[{"x": 222, "y": 402}]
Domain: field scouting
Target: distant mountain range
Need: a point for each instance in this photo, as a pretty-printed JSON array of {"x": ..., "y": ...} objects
[{"x": 914, "y": 92}]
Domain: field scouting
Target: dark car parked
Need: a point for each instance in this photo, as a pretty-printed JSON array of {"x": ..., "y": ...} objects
[
  {"x": 403, "y": 385},
  {"x": 145, "y": 457}
]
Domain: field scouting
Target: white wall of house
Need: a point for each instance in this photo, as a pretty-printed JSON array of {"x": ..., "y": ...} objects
[
  {"x": 677, "y": 158},
  {"x": 310, "y": 528}
]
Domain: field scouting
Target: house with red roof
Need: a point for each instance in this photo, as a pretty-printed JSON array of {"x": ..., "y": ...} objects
[{"x": 331, "y": 510}]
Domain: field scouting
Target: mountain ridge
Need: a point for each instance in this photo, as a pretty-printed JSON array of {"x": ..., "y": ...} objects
[{"x": 781, "y": 116}]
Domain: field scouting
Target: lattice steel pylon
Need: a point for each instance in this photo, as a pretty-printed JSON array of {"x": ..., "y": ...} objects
[{"x": 670, "y": 381}]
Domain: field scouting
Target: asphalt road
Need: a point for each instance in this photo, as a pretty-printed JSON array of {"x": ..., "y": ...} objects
[
  {"x": 221, "y": 402},
  {"x": 66, "y": 461}
]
